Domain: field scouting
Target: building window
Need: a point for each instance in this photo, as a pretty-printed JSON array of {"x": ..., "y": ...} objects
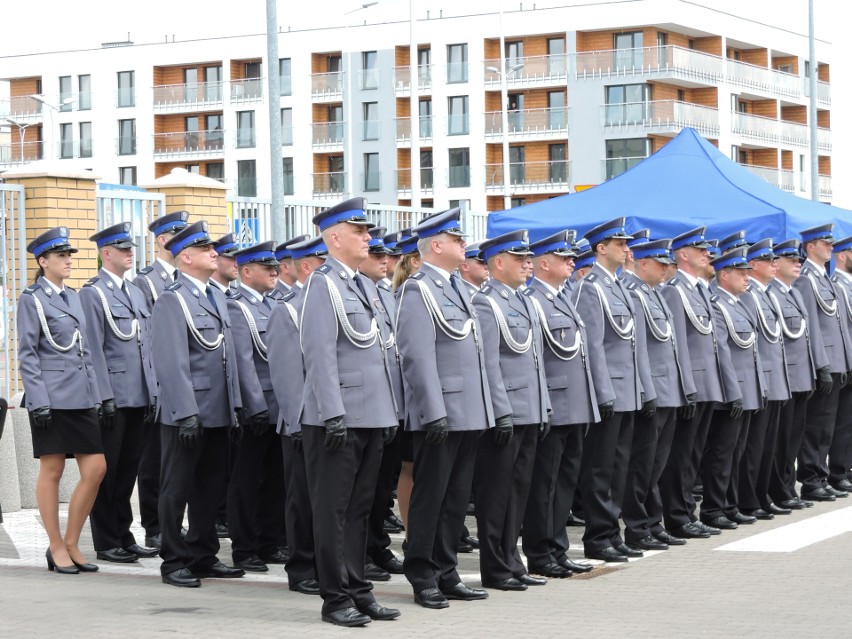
[
  {"x": 464, "y": 205},
  {"x": 332, "y": 64},
  {"x": 215, "y": 132},
  {"x": 514, "y": 54},
  {"x": 65, "y": 93},
  {"x": 425, "y": 107},
  {"x": 190, "y": 84},
  {"x": 66, "y": 141},
  {"x": 424, "y": 67},
  {"x": 625, "y": 154},
  {"x": 459, "y": 160},
  {"x": 628, "y": 50},
  {"x": 84, "y": 92},
  {"x": 335, "y": 123},
  {"x": 127, "y": 137},
  {"x": 245, "y": 129},
  {"x": 193, "y": 168},
  {"x": 284, "y": 76},
  {"x": 371, "y": 121},
  {"x": 191, "y": 137},
  {"x": 369, "y": 71},
  {"x": 626, "y": 103},
  {"x": 127, "y": 175},
  {"x": 557, "y": 153},
  {"x": 556, "y": 61},
  {"x": 457, "y": 122},
  {"x": 126, "y": 89},
  {"x": 216, "y": 170},
  {"x": 456, "y": 63},
  {"x": 85, "y": 139},
  {"x": 289, "y": 187},
  {"x": 336, "y": 174},
  {"x": 371, "y": 172},
  {"x": 246, "y": 178},
  {"x": 286, "y": 127},
  {"x": 213, "y": 84},
  {"x": 426, "y": 172},
  {"x": 517, "y": 164},
  {"x": 518, "y": 201}
]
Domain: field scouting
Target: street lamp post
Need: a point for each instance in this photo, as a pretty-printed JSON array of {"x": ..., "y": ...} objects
[
  {"x": 52, "y": 108},
  {"x": 276, "y": 210},
  {"x": 22, "y": 129},
  {"x": 504, "y": 115}
]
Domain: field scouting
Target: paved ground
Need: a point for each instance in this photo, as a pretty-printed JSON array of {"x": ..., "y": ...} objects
[{"x": 749, "y": 590}]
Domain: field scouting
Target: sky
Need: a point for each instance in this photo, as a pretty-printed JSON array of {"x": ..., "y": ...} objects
[{"x": 186, "y": 20}]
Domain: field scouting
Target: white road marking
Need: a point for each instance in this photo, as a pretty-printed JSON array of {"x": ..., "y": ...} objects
[{"x": 798, "y": 535}]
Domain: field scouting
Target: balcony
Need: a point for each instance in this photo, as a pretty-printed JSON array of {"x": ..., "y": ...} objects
[
  {"x": 768, "y": 131},
  {"x": 327, "y": 87},
  {"x": 193, "y": 144},
  {"x": 531, "y": 71},
  {"x": 403, "y": 182},
  {"x": 529, "y": 124},
  {"x": 528, "y": 177},
  {"x": 690, "y": 67},
  {"x": 824, "y": 140},
  {"x": 17, "y": 153},
  {"x": 403, "y": 130},
  {"x": 246, "y": 91},
  {"x": 22, "y": 109},
  {"x": 613, "y": 167},
  {"x": 763, "y": 80},
  {"x": 825, "y": 187},
  {"x": 328, "y": 136},
  {"x": 71, "y": 149},
  {"x": 175, "y": 98},
  {"x": 402, "y": 80},
  {"x": 661, "y": 117},
  {"x": 329, "y": 184},
  {"x": 782, "y": 178},
  {"x": 824, "y": 95}
]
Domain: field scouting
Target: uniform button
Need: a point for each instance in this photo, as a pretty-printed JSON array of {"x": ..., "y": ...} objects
[{"x": 79, "y": 367}]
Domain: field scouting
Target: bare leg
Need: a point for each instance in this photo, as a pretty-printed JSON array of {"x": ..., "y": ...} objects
[
  {"x": 47, "y": 495},
  {"x": 92, "y": 470},
  {"x": 403, "y": 491}
]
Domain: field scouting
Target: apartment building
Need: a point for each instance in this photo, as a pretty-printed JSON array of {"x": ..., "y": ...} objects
[{"x": 486, "y": 111}]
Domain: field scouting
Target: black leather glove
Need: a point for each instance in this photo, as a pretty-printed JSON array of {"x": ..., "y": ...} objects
[
  {"x": 824, "y": 383},
  {"x": 844, "y": 379},
  {"x": 809, "y": 395},
  {"x": 189, "y": 431},
  {"x": 764, "y": 402},
  {"x": 389, "y": 434},
  {"x": 335, "y": 433},
  {"x": 151, "y": 413},
  {"x": 296, "y": 441},
  {"x": 688, "y": 412},
  {"x": 544, "y": 428},
  {"x": 649, "y": 408},
  {"x": 99, "y": 409},
  {"x": 437, "y": 431},
  {"x": 260, "y": 423},
  {"x": 736, "y": 409},
  {"x": 42, "y": 417},
  {"x": 108, "y": 417},
  {"x": 607, "y": 410},
  {"x": 503, "y": 429}
]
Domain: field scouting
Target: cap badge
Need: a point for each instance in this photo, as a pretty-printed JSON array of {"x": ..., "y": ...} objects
[
  {"x": 204, "y": 225},
  {"x": 63, "y": 232}
]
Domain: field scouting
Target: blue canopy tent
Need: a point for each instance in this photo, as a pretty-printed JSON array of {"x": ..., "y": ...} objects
[{"x": 685, "y": 184}]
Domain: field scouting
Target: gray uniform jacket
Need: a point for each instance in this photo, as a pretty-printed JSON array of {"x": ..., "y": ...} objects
[
  {"x": 252, "y": 366},
  {"x": 746, "y": 361},
  {"x": 342, "y": 378},
  {"x": 388, "y": 327},
  {"x": 827, "y": 331},
  {"x": 280, "y": 291},
  {"x": 843, "y": 288},
  {"x": 123, "y": 367},
  {"x": 152, "y": 281},
  {"x": 668, "y": 358},
  {"x": 52, "y": 378},
  {"x": 569, "y": 377},
  {"x": 770, "y": 342},
  {"x": 192, "y": 379},
  {"x": 801, "y": 371},
  {"x": 287, "y": 371},
  {"x": 712, "y": 372},
  {"x": 470, "y": 288},
  {"x": 445, "y": 377},
  {"x": 517, "y": 380},
  {"x": 622, "y": 375}
]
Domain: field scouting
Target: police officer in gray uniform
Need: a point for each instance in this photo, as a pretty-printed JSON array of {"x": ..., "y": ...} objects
[
  {"x": 566, "y": 357},
  {"x": 474, "y": 270},
  {"x": 199, "y": 394},
  {"x": 152, "y": 280},
  {"x": 448, "y": 406},
  {"x": 673, "y": 383},
  {"x": 622, "y": 385},
  {"x": 118, "y": 328},
  {"x": 348, "y": 412},
  {"x": 226, "y": 264},
  {"x": 286, "y": 275},
  {"x": 840, "y": 452}
]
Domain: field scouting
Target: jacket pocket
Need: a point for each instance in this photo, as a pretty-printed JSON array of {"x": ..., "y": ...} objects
[{"x": 52, "y": 364}]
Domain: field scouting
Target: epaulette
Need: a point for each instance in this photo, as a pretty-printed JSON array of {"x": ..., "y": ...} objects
[
  {"x": 418, "y": 275},
  {"x": 290, "y": 295},
  {"x": 146, "y": 270},
  {"x": 591, "y": 277},
  {"x": 68, "y": 288},
  {"x": 631, "y": 286},
  {"x": 673, "y": 281},
  {"x": 325, "y": 268},
  {"x": 32, "y": 288},
  {"x": 235, "y": 295},
  {"x": 384, "y": 286},
  {"x": 174, "y": 286},
  {"x": 714, "y": 298},
  {"x": 486, "y": 289},
  {"x": 528, "y": 291}
]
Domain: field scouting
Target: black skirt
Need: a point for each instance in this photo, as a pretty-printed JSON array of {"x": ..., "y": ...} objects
[
  {"x": 406, "y": 446},
  {"x": 71, "y": 432}
]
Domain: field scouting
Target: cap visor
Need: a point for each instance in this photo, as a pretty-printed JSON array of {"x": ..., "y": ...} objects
[
  {"x": 366, "y": 223},
  {"x": 124, "y": 244}
]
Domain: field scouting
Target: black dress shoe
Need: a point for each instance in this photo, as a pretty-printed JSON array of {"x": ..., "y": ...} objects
[
  {"x": 552, "y": 570},
  {"x": 667, "y": 538},
  {"x": 154, "y": 542},
  {"x": 808, "y": 504},
  {"x": 721, "y": 522},
  {"x": 117, "y": 556},
  {"x": 393, "y": 522},
  {"x": 529, "y": 580},
  {"x": 844, "y": 485},
  {"x": 506, "y": 584},
  {"x": 471, "y": 541},
  {"x": 697, "y": 497},
  {"x": 840, "y": 494},
  {"x": 610, "y": 555},
  {"x": 462, "y": 593},
  {"x": 142, "y": 553},
  {"x": 778, "y": 510},
  {"x": 634, "y": 553},
  {"x": 574, "y": 520},
  {"x": 219, "y": 571},
  {"x": 347, "y": 617},
  {"x": 278, "y": 557},
  {"x": 389, "y": 527},
  {"x": 471, "y": 510},
  {"x": 86, "y": 567},
  {"x": 62, "y": 570},
  {"x": 182, "y": 579},
  {"x": 252, "y": 564},
  {"x": 306, "y": 587},
  {"x": 373, "y": 573},
  {"x": 379, "y": 613},
  {"x": 392, "y": 565},
  {"x": 818, "y": 494},
  {"x": 792, "y": 504},
  {"x": 464, "y": 547},
  {"x": 759, "y": 513},
  {"x": 221, "y": 530},
  {"x": 711, "y": 530},
  {"x": 431, "y": 598},
  {"x": 690, "y": 531},
  {"x": 739, "y": 518},
  {"x": 648, "y": 543},
  {"x": 575, "y": 566}
]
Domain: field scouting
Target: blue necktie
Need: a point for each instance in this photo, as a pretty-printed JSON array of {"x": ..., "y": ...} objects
[
  {"x": 211, "y": 298},
  {"x": 63, "y": 295}
]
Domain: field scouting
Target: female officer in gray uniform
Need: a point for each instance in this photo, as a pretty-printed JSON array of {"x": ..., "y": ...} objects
[{"x": 62, "y": 403}]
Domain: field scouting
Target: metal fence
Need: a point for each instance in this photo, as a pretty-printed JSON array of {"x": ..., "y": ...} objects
[
  {"x": 122, "y": 204},
  {"x": 13, "y": 271}
]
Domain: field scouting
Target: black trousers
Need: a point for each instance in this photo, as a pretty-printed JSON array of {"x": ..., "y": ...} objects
[
  {"x": 298, "y": 516},
  {"x": 554, "y": 480},
  {"x": 736, "y": 466},
  {"x": 603, "y": 473},
  {"x": 718, "y": 466},
  {"x": 812, "y": 469},
  {"x": 791, "y": 429},
  {"x": 652, "y": 441},
  {"x": 112, "y": 514},
  {"x": 681, "y": 471},
  {"x": 840, "y": 452},
  {"x": 501, "y": 480},
  {"x": 256, "y": 494},
  {"x": 193, "y": 479},
  {"x": 342, "y": 484},
  {"x": 442, "y": 480},
  {"x": 148, "y": 479},
  {"x": 378, "y": 541},
  {"x": 756, "y": 464}
]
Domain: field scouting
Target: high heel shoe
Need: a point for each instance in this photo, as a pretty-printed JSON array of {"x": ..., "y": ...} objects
[
  {"x": 62, "y": 570},
  {"x": 86, "y": 567}
]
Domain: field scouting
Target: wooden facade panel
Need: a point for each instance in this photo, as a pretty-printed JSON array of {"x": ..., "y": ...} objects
[
  {"x": 787, "y": 160},
  {"x": 757, "y": 57},
  {"x": 402, "y": 56},
  {"x": 403, "y": 159},
  {"x": 321, "y": 161},
  {"x": 403, "y": 107},
  {"x": 823, "y": 72},
  {"x": 823, "y": 119},
  {"x": 710, "y": 44},
  {"x": 319, "y": 61},
  {"x": 765, "y": 157},
  {"x": 24, "y": 86},
  {"x": 706, "y": 96},
  {"x": 765, "y": 108},
  {"x": 786, "y": 60},
  {"x": 795, "y": 114},
  {"x": 824, "y": 162}
]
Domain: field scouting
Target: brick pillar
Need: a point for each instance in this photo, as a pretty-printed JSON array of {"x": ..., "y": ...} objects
[{"x": 202, "y": 196}]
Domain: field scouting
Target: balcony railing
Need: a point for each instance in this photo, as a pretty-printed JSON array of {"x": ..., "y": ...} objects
[
  {"x": 766, "y": 80},
  {"x": 402, "y": 79},
  {"x": 247, "y": 90},
  {"x": 824, "y": 140},
  {"x": 68, "y": 149},
  {"x": 612, "y": 167},
  {"x": 370, "y": 129},
  {"x": 328, "y": 134},
  {"x": 528, "y": 176},
  {"x": 16, "y": 153},
  {"x": 403, "y": 129},
  {"x": 824, "y": 94},
  {"x": 329, "y": 183},
  {"x": 368, "y": 79},
  {"x": 660, "y": 116},
  {"x": 529, "y": 123},
  {"x": 782, "y": 178},
  {"x": 192, "y": 96},
  {"x": 668, "y": 60},
  {"x": 22, "y": 108},
  {"x": 125, "y": 97},
  {"x": 403, "y": 180},
  {"x": 537, "y": 70},
  {"x": 327, "y": 85},
  {"x": 193, "y": 143},
  {"x": 371, "y": 180},
  {"x": 825, "y": 186}
]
